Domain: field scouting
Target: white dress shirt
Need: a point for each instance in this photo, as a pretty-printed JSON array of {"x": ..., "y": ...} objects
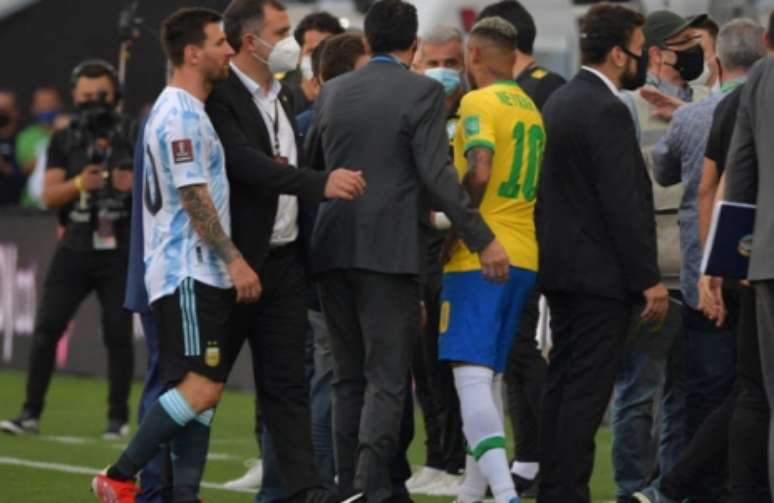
[
  {"x": 605, "y": 79},
  {"x": 286, "y": 221}
]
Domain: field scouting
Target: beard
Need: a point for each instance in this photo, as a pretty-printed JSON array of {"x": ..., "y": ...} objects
[
  {"x": 215, "y": 73},
  {"x": 631, "y": 80}
]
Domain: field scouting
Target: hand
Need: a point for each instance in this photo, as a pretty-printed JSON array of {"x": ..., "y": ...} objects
[
  {"x": 439, "y": 220},
  {"x": 91, "y": 177},
  {"x": 495, "y": 262},
  {"x": 656, "y": 304},
  {"x": 345, "y": 184},
  {"x": 122, "y": 180},
  {"x": 246, "y": 282},
  {"x": 665, "y": 105},
  {"x": 711, "y": 299}
]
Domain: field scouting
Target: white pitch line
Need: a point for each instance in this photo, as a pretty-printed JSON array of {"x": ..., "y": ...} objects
[{"x": 83, "y": 470}]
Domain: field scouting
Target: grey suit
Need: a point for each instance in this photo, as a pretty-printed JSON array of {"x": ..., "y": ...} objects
[
  {"x": 389, "y": 123},
  {"x": 750, "y": 179}
]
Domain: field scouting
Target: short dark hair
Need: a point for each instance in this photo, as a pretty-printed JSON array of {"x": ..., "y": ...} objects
[
  {"x": 185, "y": 27},
  {"x": 604, "y": 27},
  {"x": 323, "y": 22},
  {"x": 516, "y": 14},
  {"x": 339, "y": 55},
  {"x": 709, "y": 25},
  {"x": 241, "y": 13},
  {"x": 94, "y": 69},
  {"x": 391, "y": 25}
]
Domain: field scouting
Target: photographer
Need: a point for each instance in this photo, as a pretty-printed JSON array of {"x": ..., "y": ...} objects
[{"x": 88, "y": 179}]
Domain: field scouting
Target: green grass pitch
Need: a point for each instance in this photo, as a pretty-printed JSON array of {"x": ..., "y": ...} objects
[{"x": 70, "y": 440}]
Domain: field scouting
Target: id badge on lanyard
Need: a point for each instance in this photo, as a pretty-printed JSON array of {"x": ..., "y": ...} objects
[{"x": 276, "y": 144}]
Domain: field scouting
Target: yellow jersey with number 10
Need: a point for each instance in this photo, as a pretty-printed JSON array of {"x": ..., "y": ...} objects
[{"x": 502, "y": 118}]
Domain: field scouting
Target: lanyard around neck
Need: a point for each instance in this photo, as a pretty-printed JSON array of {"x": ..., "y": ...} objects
[
  {"x": 275, "y": 125},
  {"x": 729, "y": 86},
  {"x": 386, "y": 58}
]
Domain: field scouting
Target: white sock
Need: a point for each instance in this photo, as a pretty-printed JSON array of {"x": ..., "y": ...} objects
[
  {"x": 483, "y": 428},
  {"x": 473, "y": 487},
  {"x": 497, "y": 394},
  {"x": 525, "y": 470},
  {"x": 492, "y": 463}
]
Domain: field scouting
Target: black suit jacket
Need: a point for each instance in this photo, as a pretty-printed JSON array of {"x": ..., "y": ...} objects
[
  {"x": 391, "y": 124},
  {"x": 750, "y": 164},
  {"x": 596, "y": 230},
  {"x": 255, "y": 179}
]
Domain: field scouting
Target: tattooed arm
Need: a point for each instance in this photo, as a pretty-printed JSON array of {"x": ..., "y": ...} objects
[
  {"x": 204, "y": 218},
  {"x": 475, "y": 182},
  {"x": 478, "y": 174}
]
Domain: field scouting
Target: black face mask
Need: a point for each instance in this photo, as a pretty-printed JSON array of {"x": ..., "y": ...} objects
[
  {"x": 631, "y": 82},
  {"x": 5, "y": 119},
  {"x": 690, "y": 63}
]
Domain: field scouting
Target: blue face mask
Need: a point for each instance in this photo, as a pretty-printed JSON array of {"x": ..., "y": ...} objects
[
  {"x": 48, "y": 117},
  {"x": 450, "y": 79}
]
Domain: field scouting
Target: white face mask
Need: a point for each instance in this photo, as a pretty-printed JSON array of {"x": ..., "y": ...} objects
[
  {"x": 283, "y": 56},
  {"x": 306, "y": 68},
  {"x": 702, "y": 79}
]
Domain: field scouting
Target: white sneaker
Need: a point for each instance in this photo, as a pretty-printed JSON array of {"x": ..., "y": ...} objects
[
  {"x": 448, "y": 485},
  {"x": 251, "y": 479},
  {"x": 426, "y": 476}
]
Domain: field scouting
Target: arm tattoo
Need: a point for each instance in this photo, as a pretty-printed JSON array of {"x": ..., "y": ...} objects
[
  {"x": 204, "y": 218},
  {"x": 479, "y": 170}
]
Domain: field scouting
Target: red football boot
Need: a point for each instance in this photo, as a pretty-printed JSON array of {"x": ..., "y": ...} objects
[{"x": 109, "y": 490}]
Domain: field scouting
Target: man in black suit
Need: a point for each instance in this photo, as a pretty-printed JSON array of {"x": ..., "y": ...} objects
[
  {"x": 252, "y": 113},
  {"x": 749, "y": 180},
  {"x": 597, "y": 240},
  {"x": 368, "y": 253}
]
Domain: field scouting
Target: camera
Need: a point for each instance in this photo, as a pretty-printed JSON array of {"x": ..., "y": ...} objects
[{"x": 96, "y": 125}]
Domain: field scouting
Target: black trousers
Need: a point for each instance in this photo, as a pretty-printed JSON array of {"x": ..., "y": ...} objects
[
  {"x": 749, "y": 437},
  {"x": 437, "y": 396},
  {"x": 525, "y": 376},
  {"x": 71, "y": 277},
  {"x": 588, "y": 334},
  {"x": 275, "y": 329},
  {"x": 373, "y": 319},
  {"x": 743, "y": 419}
]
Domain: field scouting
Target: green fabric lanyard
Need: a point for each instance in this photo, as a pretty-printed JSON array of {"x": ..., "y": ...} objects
[{"x": 729, "y": 86}]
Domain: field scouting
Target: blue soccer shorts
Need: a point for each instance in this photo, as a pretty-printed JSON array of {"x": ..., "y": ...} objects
[{"x": 479, "y": 318}]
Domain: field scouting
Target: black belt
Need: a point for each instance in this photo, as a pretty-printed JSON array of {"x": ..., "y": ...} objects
[{"x": 283, "y": 251}]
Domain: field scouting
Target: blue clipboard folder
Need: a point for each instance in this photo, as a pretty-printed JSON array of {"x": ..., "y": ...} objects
[{"x": 729, "y": 244}]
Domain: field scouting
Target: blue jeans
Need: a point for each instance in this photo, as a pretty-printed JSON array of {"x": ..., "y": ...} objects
[
  {"x": 151, "y": 479},
  {"x": 272, "y": 489},
  {"x": 709, "y": 358},
  {"x": 320, "y": 400},
  {"x": 650, "y": 369},
  {"x": 320, "y": 372}
]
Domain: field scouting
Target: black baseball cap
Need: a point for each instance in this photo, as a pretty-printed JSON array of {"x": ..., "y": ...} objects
[{"x": 661, "y": 25}]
